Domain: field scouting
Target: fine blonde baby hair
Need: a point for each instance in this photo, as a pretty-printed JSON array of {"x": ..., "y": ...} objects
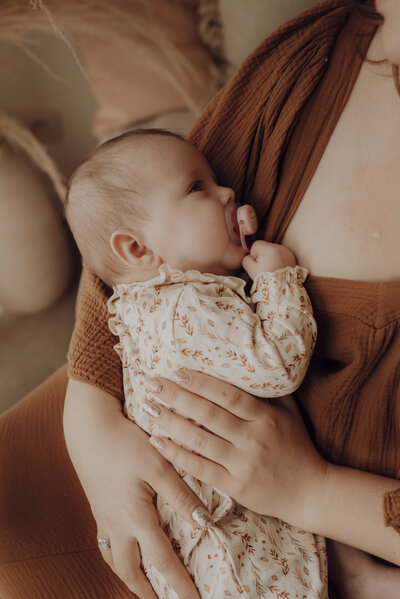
[{"x": 101, "y": 198}]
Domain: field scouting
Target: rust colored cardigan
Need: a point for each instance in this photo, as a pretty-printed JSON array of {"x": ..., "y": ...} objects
[{"x": 264, "y": 135}]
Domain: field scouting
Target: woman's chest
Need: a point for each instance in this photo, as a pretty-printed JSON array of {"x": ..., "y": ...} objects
[{"x": 348, "y": 222}]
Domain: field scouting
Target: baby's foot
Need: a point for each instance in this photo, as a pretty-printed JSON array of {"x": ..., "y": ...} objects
[{"x": 357, "y": 575}]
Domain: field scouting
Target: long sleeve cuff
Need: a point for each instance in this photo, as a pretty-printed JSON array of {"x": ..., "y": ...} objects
[{"x": 270, "y": 286}]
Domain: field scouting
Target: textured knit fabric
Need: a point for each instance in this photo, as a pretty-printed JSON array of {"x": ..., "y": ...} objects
[
  {"x": 262, "y": 343},
  {"x": 264, "y": 135}
]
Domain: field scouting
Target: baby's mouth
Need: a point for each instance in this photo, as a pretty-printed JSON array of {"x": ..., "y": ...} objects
[
  {"x": 232, "y": 222},
  {"x": 242, "y": 222}
]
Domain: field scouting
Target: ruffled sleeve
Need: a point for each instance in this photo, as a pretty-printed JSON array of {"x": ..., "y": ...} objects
[
  {"x": 123, "y": 317},
  {"x": 278, "y": 283}
]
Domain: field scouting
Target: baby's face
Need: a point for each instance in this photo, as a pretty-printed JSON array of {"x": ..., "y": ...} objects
[{"x": 193, "y": 220}]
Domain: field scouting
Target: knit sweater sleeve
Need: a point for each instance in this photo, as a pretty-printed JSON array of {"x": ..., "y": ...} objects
[{"x": 91, "y": 357}]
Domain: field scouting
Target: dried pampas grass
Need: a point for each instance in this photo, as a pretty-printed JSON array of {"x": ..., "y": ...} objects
[
  {"x": 21, "y": 20},
  {"x": 108, "y": 20}
]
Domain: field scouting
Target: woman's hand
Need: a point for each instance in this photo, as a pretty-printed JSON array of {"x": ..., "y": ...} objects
[
  {"x": 257, "y": 452},
  {"x": 120, "y": 473},
  {"x": 260, "y": 453}
]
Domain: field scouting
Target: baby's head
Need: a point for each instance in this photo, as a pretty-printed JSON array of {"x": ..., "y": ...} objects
[{"x": 149, "y": 197}]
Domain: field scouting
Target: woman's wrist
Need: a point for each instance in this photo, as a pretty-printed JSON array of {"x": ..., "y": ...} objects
[{"x": 348, "y": 507}]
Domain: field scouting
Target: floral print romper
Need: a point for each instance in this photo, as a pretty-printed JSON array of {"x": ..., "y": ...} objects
[{"x": 261, "y": 343}]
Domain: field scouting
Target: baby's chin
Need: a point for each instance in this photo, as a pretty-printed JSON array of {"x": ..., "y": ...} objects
[
  {"x": 235, "y": 265},
  {"x": 227, "y": 269}
]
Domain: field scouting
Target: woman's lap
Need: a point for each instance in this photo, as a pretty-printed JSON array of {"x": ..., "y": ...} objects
[{"x": 48, "y": 535}]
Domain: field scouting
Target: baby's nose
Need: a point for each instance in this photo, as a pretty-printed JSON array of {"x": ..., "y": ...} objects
[{"x": 227, "y": 195}]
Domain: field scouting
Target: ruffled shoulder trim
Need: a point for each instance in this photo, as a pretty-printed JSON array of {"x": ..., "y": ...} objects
[{"x": 168, "y": 275}]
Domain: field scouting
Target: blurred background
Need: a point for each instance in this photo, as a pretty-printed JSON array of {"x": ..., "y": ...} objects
[{"x": 73, "y": 74}]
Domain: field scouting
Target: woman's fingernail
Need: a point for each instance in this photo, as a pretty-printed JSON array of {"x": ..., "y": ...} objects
[
  {"x": 157, "y": 442},
  {"x": 202, "y": 517},
  {"x": 153, "y": 385},
  {"x": 180, "y": 376},
  {"x": 151, "y": 409}
]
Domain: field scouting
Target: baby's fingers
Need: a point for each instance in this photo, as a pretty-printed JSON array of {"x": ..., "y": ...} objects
[
  {"x": 260, "y": 248},
  {"x": 250, "y": 265}
]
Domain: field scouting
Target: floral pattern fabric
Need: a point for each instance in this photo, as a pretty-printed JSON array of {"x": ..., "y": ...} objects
[{"x": 261, "y": 343}]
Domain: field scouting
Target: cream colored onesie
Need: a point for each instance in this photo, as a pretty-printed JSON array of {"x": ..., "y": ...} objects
[{"x": 262, "y": 344}]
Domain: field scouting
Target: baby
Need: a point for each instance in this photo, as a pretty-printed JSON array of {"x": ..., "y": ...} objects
[{"x": 150, "y": 219}]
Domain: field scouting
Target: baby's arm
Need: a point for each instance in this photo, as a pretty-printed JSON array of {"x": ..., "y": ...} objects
[
  {"x": 285, "y": 313},
  {"x": 264, "y": 352}
]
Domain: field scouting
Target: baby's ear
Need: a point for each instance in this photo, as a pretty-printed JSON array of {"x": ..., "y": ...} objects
[{"x": 128, "y": 246}]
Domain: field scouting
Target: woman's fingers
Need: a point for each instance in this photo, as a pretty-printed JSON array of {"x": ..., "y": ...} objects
[
  {"x": 203, "y": 469},
  {"x": 200, "y": 409},
  {"x": 235, "y": 403},
  {"x": 126, "y": 564},
  {"x": 125, "y": 558},
  {"x": 157, "y": 548},
  {"x": 189, "y": 434},
  {"x": 106, "y": 553},
  {"x": 180, "y": 497}
]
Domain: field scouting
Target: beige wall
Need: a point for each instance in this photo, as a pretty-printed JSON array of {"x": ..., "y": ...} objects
[{"x": 24, "y": 85}]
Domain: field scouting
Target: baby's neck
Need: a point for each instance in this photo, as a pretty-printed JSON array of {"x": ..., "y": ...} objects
[{"x": 135, "y": 276}]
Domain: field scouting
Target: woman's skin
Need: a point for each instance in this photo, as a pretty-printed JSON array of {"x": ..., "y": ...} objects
[
  {"x": 120, "y": 490},
  {"x": 250, "y": 445},
  {"x": 244, "y": 446},
  {"x": 390, "y": 10},
  {"x": 349, "y": 502}
]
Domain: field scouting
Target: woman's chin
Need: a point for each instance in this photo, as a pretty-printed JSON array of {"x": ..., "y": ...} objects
[{"x": 391, "y": 42}]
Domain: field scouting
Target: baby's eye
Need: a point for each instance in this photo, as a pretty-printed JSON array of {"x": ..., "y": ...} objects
[{"x": 196, "y": 186}]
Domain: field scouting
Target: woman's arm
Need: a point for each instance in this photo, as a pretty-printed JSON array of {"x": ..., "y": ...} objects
[
  {"x": 118, "y": 470},
  {"x": 260, "y": 454}
]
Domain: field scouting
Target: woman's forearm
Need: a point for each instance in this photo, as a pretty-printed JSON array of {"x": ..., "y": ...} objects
[
  {"x": 349, "y": 508},
  {"x": 86, "y": 408},
  {"x": 120, "y": 474},
  {"x": 85, "y": 401}
]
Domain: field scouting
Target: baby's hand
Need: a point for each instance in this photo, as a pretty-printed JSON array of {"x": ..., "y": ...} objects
[{"x": 267, "y": 257}]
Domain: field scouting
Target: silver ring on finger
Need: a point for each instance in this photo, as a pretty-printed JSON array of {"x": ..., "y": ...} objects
[{"x": 103, "y": 543}]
